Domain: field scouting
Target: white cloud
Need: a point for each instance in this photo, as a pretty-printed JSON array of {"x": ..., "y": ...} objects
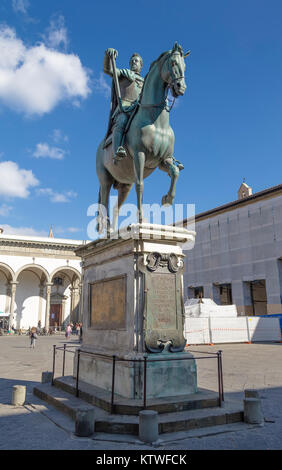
[
  {"x": 58, "y": 136},
  {"x": 25, "y": 231},
  {"x": 15, "y": 182},
  {"x": 57, "y": 34},
  {"x": 5, "y": 210},
  {"x": 55, "y": 196},
  {"x": 35, "y": 79},
  {"x": 61, "y": 230},
  {"x": 43, "y": 150},
  {"x": 20, "y": 6}
]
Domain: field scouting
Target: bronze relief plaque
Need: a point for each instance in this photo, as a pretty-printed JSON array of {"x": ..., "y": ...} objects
[{"x": 108, "y": 304}]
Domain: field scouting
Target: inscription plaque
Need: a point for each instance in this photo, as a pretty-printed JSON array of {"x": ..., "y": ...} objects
[
  {"x": 162, "y": 296},
  {"x": 108, "y": 304}
]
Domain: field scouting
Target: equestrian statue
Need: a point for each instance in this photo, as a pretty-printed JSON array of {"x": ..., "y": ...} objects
[{"x": 139, "y": 137}]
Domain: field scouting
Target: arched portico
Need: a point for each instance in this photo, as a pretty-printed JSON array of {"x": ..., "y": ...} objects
[
  {"x": 30, "y": 296},
  {"x": 37, "y": 269},
  {"x": 7, "y": 271},
  {"x": 28, "y": 271},
  {"x": 65, "y": 295}
]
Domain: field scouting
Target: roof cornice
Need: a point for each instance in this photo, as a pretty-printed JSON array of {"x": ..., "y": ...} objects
[{"x": 265, "y": 194}]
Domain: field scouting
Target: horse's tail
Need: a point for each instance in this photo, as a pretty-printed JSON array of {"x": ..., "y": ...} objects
[
  {"x": 97, "y": 213},
  {"x": 99, "y": 196}
]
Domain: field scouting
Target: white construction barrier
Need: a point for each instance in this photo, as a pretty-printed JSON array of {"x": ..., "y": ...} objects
[
  {"x": 197, "y": 330},
  {"x": 264, "y": 329},
  {"x": 228, "y": 330},
  {"x": 208, "y": 308},
  {"x": 231, "y": 330}
]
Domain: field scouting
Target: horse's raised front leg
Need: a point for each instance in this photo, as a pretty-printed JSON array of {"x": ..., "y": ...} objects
[
  {"x": 173, "y": 172},
  {"x": 139, "y": 163}
]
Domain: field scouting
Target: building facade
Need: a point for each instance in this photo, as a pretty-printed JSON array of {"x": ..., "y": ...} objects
[
  {"x": 237, "y": 257},
  {"x": 40, "y": 280}
]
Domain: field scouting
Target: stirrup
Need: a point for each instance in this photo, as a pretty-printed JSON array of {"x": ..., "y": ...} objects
[{"x": 120, "y": 154}]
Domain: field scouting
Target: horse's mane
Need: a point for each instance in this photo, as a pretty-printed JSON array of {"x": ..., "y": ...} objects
[
  {"x": 151, "y": 66},
  {"x": 157, "y": 60}
]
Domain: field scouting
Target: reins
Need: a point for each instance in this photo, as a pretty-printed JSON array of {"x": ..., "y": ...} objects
[{"x": 163, "y": 104}]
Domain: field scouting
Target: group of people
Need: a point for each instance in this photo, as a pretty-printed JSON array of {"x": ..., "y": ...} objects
[
  {"x": 75, "y": 329},
  {"x": 72, "y": 328}
]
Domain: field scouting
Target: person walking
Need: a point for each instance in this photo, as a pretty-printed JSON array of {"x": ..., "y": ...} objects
[
  {"x": 33, "y": 338},
  {"x": 68, "y": 331}
]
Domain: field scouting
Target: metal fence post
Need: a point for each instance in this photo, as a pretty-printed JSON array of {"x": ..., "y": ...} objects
[
  {"x": 221, "y": 375},
  {"x": 113, "y": 384},
  {"x": 53, "y": 372},
  {"x": 64, "y": 357},
  {"x": 219, "y": 378},
  {"x": 77, "y": 372},
  {"x": 145, "y": 382}
]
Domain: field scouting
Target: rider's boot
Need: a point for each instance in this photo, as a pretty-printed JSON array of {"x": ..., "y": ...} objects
[{"x": 119, "y": 150}]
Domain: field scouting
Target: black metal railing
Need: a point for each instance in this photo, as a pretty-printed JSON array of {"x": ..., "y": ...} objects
[{"x": 145, "y": 360}]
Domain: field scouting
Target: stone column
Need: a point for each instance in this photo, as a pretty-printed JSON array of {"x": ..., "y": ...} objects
[
  {"x": 41, "y": 296},
  {"x": 80, "y": 305},
  {"x": 13, "y": 285},
  {"x": 64, "y": 301},
  {"x": 74, "y": 303},
  {"x": 48, "y": 298},
  {"x": 8, "y": 297}
]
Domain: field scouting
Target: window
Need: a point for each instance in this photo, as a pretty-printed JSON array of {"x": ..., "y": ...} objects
[
  {"x": 225, "y": 291},
  {"x": 58, "y": 281},
  {"x": 199, "y": 292}
]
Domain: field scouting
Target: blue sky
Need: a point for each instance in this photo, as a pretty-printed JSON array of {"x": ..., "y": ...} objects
[{"x": 54, "y": 102}]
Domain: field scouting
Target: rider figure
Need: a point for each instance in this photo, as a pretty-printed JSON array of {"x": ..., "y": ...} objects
[{"x": 131, "y": 84}]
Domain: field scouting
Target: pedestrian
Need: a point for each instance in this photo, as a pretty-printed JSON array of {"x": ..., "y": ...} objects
[
  {"x": 68, "y": 331},
  {"x": 80, "y": 332},
  {"x": 33, "y": 337},
  {"x": 77, "y": 329}
]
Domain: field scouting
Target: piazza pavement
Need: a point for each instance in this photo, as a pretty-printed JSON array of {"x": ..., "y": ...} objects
[{"x": 38, "y": 426}]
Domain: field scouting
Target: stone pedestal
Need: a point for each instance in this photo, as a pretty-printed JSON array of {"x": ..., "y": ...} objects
[{"x": 133, "y": 309}]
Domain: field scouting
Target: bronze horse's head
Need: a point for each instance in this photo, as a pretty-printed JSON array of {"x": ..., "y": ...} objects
[{"x": 173, "y": 70}]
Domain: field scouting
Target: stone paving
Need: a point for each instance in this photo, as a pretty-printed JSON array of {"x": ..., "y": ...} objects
[{"x": 36, "y": 426}]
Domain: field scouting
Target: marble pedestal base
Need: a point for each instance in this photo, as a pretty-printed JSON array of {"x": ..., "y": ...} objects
[
  {"x": 133, "y": 305},
  {"x": 167, "y": 374}
]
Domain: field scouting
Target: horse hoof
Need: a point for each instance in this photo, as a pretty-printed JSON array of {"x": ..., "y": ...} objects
[{"x": 167, "y": 200}]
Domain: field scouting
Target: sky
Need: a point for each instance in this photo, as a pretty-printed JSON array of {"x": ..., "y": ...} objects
[{"x": 54, "y": 102}]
